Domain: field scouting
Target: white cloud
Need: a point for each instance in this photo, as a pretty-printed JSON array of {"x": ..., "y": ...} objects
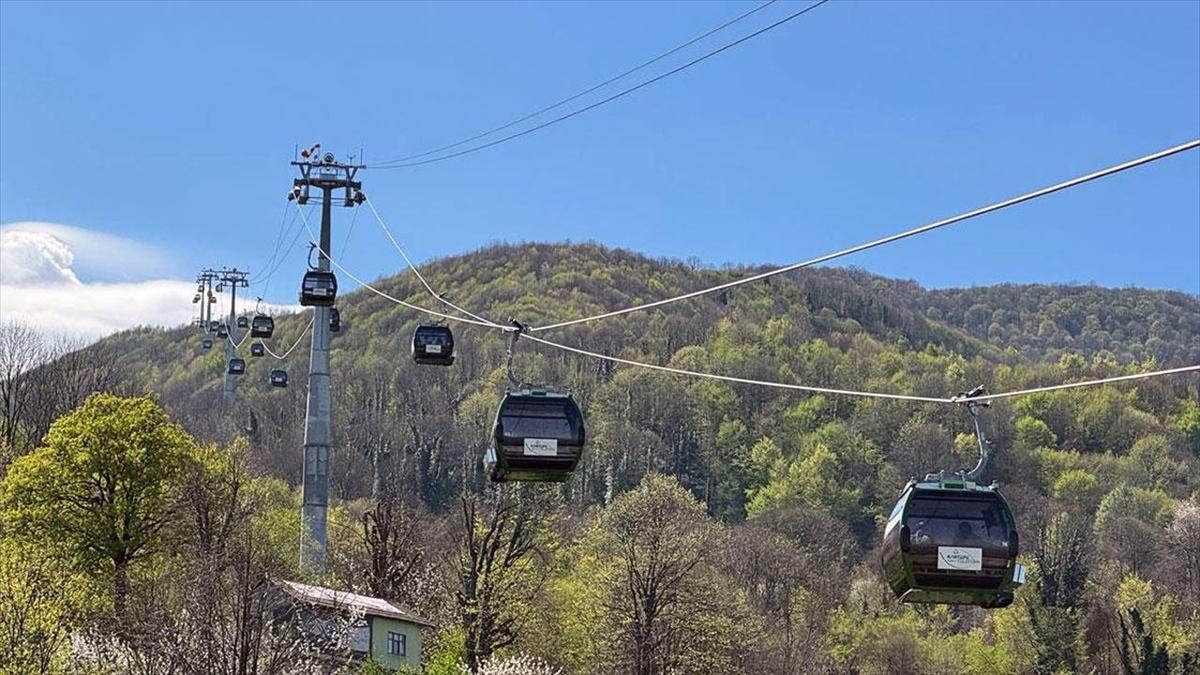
[
  {"x": 94, "y": 310},
  {"x": 34, "y": 258},
  {"x": 97, "y": 256},
  {"x": 39, "y": 284}
]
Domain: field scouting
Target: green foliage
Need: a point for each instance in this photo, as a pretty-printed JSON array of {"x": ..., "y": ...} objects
[
  {"x": 1030, "y": 433},
  {"x": 1077, "y": 488},
  {"x": 695, "y": 458},
  {"x": 1049, "y": 322},
  {"x": 834, "y": 470},
  {"x": 1152, "y": 507},
  {"x": 1152, "y": 462},
  {"x": 924, "y": 640},
  {"x": 1156, "y": 616},
  {"x": 39, "y": 601},
  {"x": 1188, "y": 422},
  {"x": 447, "y": 651},
  {"x": 639, "y": 595},
  {"x": 104, "y": 485},
  {"x": 1052, "y": 464}
]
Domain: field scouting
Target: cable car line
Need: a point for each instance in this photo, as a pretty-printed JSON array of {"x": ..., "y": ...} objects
[
  {"x": 1029, "y": 196},
  {"x": 776, "y": 385},
  {"x": 518, "y": 329},
  {"x": 1072, "y": 385},
  {"x": 283, "y": 356},
  {"x": 727, "y": 378},
  {"x": 437, "y": 296},
  {"x": 620, "y": 94},
  {"x": 349, "y": 231},
  {"x": 866, "y": 394},
  {"x": 384, "y": 295},
  {"x": 587, "y": 91},
  {"x": 270, "y": 274},
  {"x": 276, "y": 259},
  {"x": 738, "y": 380},
  {"x": 237, "y": 345},
  {"x": 279, "y": 235}
]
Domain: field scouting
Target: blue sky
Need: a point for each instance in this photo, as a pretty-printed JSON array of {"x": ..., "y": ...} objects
[{"x": 171, "y": 126}]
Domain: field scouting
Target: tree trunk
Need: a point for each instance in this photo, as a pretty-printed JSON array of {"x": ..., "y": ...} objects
[{"x": 120, "y": 589}]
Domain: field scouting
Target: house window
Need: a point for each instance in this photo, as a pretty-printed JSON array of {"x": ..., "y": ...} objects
[{"x": 396, "y": 643}]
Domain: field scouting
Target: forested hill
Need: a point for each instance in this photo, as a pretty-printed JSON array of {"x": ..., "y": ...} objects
[
  {"x": 775, "y": 497},
  {"x": 830, "y": 327},
  {"x": 1043, "y": 321},
  {"x": 543, "y": 282}
]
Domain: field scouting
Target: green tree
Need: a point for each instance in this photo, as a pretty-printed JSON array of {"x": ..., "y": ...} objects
[
  {"x": 1188, "y": 422},
  {"x": 835, "y": 470},
  {"x": 1077, "y": 489},
  {"x": 500, "y": 568},
  {"x": 1031, "y": 433},
  {"x": 1151, "y": 461},
  {"x": 1063, "y": 562},
  {"x": 1152, "y": 507},
  {"x": 104, "y": 486},
  {"x": 37, "y": 597},
  {"x": 660, "y": 547}
]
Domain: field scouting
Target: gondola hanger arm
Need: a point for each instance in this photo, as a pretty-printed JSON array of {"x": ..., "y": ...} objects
[
  {"x": 968, "y": 399},
  {"x": 312, "y": 246},
  {"x": 514, "y": 332}
]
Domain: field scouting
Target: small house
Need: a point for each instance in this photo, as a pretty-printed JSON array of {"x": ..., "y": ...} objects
[{"x": 352, "y": 627}]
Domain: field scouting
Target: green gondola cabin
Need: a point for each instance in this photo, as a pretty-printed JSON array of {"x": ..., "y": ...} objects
[{"x": 951, "y": 541}]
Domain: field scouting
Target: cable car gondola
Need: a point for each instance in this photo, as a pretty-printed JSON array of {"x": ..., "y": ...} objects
[
  {"x": 538, "y": 436},
  {"x": 279, "y": 378},
  {"x": 222, "y": 331},
  {"x": 257, "y": 349},
  {"x": 433, "y": 345},
  {"x": 952, "y": 541},
  {"x": 237, "y": 366},
  {"x": 213, "y": 326},
  {"x": 206, "y": 343},
  {"x": 318, "y": 289},
  {"x": 262, "y": 326},
  {"x": 335, "y": 320},
  {"x": 243, "y": 322}
]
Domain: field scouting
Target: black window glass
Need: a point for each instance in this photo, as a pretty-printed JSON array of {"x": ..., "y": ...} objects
[
  {"x": 433, "y": 337},
  {"x": 943, "y": 521},
  {"x": 524, "y": 418}
]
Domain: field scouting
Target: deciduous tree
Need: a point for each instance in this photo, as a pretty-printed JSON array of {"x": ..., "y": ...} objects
[{"x": 103, "y": 487}]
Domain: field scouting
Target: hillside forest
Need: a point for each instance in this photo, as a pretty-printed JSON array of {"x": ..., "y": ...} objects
[{"x": 711, "y": 527}]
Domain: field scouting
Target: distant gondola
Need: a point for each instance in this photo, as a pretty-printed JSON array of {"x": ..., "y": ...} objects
[
  {"x": 243, "y": 322},
  {"x": 318, "y": 289},
  {"x": 237, "y": 366},
  {"x": 206, "y": 343},
  {"x": 213, "y": 326},
  {"x": 222, "y": 331},
  {"x": 433, "y": 345},
  {"x": 257, "y": 349},
  {"x": 262, "y": 326},
  {"x": 335, "y": 320},
  {"x": 279, "y": 378},
  {"x": 951, "y": 541},
  {"x": 538, "y": 436}
]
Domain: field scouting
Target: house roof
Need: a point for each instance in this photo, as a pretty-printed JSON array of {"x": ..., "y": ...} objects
[{"x": 328, "y": 597}]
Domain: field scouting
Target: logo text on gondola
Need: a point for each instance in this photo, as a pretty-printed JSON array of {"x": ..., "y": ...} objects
[
  {"x": 960, "y": 558},
  {"x": 541, "y": 446}
]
